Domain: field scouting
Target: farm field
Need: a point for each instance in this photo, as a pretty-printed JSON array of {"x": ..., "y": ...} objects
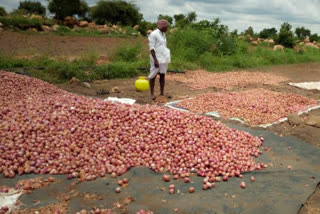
[{"x": 25, "y": 46}]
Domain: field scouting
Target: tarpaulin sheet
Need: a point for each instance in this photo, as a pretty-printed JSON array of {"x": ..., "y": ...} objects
[
  {"x": 173, "y": 105},
  {"x": 276, "y": 189},
  {"x": 307, "y": 85}
]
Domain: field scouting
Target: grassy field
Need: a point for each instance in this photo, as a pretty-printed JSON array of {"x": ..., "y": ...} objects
[{"x": 188, "y": 52}]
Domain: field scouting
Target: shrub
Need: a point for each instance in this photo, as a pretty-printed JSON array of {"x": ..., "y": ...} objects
[
  {"x": 127, "y": 53},
  {"x": 285, "y": 36},
  {"x": 116, "y": 70},
  {"x": 49, "y": 22},
  {"x": 21, "y": 22},
  {"x": 314, "y": 37},
  {"x": 268, "y": 33},
  {"x": 227, "y": 46},
  {"x": 196, "y": 41}
]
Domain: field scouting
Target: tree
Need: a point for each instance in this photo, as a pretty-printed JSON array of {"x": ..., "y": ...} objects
[
  {"x": 302, "y": 32},
  {"x": 166, "y": 17},
  {"x": 191, "y": 17},
  {"x": 182, "y": 20},
  {"x": 117, "y": 11},
  {"x": 285, "y": 36},
  {"x": 64, "y": 8},
  {"x": 314, "y": 37},
  {"x": 3, "y": 12},
  {"x": 32, "y": 7},
  {"x": 178, "y": 17},
  {"x": 234, "y": 32},
  {"x": 144, "y": 26},
  {"x": 83, "y": 10},
  {"x": 268, "y": 33},
  {"x": 249, "y": 31}
]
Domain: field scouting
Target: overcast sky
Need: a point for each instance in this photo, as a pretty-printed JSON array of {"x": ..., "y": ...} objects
[{"x": 237, "y": 14}]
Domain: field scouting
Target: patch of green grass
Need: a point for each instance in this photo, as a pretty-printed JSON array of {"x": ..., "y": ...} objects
[
  {"x": 128, "y": 53},
  {"x": 127, "y": 32},
  {"x": 20, "y": 22}
]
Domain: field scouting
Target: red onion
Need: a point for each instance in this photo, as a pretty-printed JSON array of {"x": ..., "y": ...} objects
[
  {"x": 203, "y": 79},
  {"x": 118, "y": 190},
  {"x": 252, "y": 179},
  {"x": 243, "y": 185},
  {"x": 256, "y": 106},
  {"x": 48, "y": 130},
  {"x": 191, "y": 190},
  {"x": 166, "y": 178},
  {"x": 171, "y": 191}
]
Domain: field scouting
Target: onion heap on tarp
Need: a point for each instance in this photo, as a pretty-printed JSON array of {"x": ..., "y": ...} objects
[
  {"x": 47, "y": 130},
  {"x": 255, "y": 106},
  {"x": 200, "y": 79}
]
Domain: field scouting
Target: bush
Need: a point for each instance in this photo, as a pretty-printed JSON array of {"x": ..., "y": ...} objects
[
  {"x": 116, "y": 70},
  {"x": 49, "y": 22},
  {"x": 197, "y": 42},
  {"x": 314, "y": 37},
  {"x": 268, "y": 33},
  {"x": 227, "y": 46},
  {"x": 144, "y": 26},
  {"x": 21, "y": 22},
  {"x": 285, "y": 36},
  {"x": 116, "y": 12},
  {"x": 127, "y": 53},
  {"x": 63, "y": 29}
]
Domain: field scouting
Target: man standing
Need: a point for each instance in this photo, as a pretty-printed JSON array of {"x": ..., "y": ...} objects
[{"x": 159, "y": 56}]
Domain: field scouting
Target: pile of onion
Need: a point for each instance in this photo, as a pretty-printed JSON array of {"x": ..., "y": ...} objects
[
  {"x": 200, "y": 79},
  {"x": 255, "y": 106},
  {"x": 45, "y": 130}
]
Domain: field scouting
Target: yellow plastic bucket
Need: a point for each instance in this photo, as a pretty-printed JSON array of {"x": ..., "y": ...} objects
[{"x": 142, "y": 84}]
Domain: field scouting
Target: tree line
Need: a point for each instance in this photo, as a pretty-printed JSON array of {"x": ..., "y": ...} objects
[{"x": 127, "y": 13}]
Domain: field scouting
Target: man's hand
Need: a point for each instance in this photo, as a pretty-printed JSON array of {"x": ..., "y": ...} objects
[{"x": 156, "y": 63}]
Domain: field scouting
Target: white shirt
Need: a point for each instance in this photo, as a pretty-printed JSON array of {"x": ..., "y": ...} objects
[{"x": 158, "y": 43}]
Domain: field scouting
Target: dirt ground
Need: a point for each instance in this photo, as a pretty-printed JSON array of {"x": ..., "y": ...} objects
[
  {"x": 24, "y": 44},
  {"x": 27, "y": 44}
]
